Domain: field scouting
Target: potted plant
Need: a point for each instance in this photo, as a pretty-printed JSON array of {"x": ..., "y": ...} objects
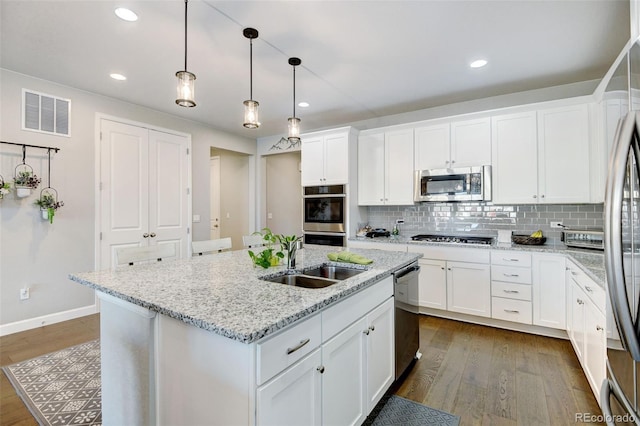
[
  {"x": 48, "y": 206},
  {"x": 272, "y": 257},
  {"x": 25, "y": 181}
]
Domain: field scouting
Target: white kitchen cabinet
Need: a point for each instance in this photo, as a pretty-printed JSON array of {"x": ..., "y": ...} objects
[
  {"x": 549, "y": 299},
  {"x": 325, "y": 157},
  {"x": 563, "y": 155},
  {"x": 433, "y": 284},
  {"x": 464, "y": 143},
  {"x": 511, "y": 286},
  {"x": 380, "y": 353},
  {"x": 293, "y": 397},
  {"x": 530, "y": 152},
  {"x": 514, "y": 148},
  {"x": 469, "y": 288},
  {"x": 344, "y": 376},
  {"x": 587, "y": 325},
  {"x": 385, "y": 168}
]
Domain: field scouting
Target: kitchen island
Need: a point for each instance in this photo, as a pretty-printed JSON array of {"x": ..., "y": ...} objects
[{"x": 208, "y": 341}]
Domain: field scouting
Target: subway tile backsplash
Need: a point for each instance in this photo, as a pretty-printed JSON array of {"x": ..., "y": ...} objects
[{"x": 486, "y": 218}]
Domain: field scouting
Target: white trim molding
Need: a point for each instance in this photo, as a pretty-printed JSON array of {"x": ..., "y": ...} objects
[{"x": 31, "y": 323}]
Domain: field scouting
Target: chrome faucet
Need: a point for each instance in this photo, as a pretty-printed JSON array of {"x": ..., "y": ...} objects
[{"x": 292, "y": 249}]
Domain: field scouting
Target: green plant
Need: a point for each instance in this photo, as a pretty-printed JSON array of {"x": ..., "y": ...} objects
[
  {"x": 4, "y": 188},
  {"x": 269, "y": 256},
  {"x": 48, "y": 202},
  {"x": 26, "y": 178}
]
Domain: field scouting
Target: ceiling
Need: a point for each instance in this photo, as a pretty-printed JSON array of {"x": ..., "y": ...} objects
[{"x": 360, "y": 59}]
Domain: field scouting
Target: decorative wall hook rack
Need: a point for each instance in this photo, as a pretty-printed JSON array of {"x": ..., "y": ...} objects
[{"x": 25, "y": 145}]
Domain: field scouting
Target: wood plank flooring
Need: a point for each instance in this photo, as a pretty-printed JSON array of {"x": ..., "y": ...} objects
[
  {"x": 486, "y": 376},
  {"x": 489, "y": 376}
]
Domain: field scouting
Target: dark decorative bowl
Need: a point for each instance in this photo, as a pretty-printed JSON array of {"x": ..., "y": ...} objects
[{"x": 527, "y": 240}]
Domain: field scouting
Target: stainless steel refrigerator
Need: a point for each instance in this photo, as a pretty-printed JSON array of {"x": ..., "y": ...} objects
[{"x": 621, "y": 390}]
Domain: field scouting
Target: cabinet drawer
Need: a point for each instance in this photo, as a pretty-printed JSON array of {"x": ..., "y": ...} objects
[
  {"x": 511, "y": 274},
  {"x": 510, "y": 258},
  {"x": 511, "y": 290},
  {"x": 339, "y": 316},
  {"x": 280, "y": 351},
  {"x": 511, "y": 310},
  {"x": 596, "y": 293}
]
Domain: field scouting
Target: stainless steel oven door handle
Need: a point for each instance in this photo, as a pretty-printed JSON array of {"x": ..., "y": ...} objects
[{"x": 626, "y": 131}]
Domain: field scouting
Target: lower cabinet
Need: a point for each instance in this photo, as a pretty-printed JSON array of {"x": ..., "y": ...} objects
[
  {"x": 343, "y": 378},
  {"x": 293, "y": 397},
  {"x": 548, "y": 273},
  {"x": 469, "y": 288},
  {"x": 432, "y": 291},
  {"x": 586, "y": 325}
]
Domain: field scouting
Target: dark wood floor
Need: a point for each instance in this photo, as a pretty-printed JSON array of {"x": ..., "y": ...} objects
[
  {"x": 30, "y": 344},
  {"x": 489, "y": 376},
  {"x": 485, "y": 375}
]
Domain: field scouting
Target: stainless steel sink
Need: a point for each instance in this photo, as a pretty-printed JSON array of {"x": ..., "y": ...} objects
[
  {"x": 333, "y": 272},
  {"x": 300, "y": 280}
]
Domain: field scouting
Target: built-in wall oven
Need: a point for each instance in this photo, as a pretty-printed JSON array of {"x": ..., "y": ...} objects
[{"x": 325, "y": 211}]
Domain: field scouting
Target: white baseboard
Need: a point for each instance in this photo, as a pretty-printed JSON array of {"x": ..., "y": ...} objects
[{"x": 32, "y": 323}]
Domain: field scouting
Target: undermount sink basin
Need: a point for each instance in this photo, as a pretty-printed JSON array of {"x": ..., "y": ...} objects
[
  {"x": 300, "y": 280},
  {"x": 318, "y": 277},
  {"x": 333, "y": 272}
]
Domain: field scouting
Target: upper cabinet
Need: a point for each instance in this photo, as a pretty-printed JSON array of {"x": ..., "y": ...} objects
[
  {"x": 325, "y": 157},
  {"x": 457, "y": 144},
  {"x": 542, "y": 156},
  {"x": 385, "y": 168}
]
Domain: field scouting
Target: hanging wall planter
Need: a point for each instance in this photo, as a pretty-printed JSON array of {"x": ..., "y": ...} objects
[
  {"x": 48, "y": 201},
  {"x": 23, "y": 178}
]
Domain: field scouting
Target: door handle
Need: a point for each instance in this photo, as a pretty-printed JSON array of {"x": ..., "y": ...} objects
[
  {"x": 152, "y": 235},
  {"x": 145, "y": 235}
]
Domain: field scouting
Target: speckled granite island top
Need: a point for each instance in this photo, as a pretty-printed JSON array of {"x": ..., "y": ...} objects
[{"x": 223, "y": 293}]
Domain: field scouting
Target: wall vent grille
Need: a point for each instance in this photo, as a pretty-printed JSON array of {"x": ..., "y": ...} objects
[{"x": 45, "y": 113}]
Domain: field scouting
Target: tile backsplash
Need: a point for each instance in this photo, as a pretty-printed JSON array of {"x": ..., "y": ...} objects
[{"x": 486, "y": 218}]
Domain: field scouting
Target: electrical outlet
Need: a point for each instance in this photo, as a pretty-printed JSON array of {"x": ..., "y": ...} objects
[
  {"x": 196, "y": 218},
  {"x": 24, "y": 293},
  {"x": 556, "y": 224}
]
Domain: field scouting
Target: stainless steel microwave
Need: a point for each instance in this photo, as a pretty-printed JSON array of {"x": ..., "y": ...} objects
[{"x": 458, "y": 184}]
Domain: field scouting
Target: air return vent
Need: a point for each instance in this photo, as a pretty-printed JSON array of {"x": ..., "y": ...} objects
[{"x": 45, "y": 113}]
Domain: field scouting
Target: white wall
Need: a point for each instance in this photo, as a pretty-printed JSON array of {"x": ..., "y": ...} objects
[{"x": 39, "y": 255}]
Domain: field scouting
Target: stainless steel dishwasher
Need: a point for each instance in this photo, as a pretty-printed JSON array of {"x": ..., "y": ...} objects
[{"x": 407, "y": 328}]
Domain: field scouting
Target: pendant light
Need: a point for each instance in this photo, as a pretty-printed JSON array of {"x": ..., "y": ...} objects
[
  {"x": 250, "y": 106},
  {"x": 186, "y": 80},
  {"x": 294, "y": 122}
]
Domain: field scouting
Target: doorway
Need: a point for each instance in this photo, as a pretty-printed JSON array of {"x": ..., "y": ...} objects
[{"x": 229, "y": 195}]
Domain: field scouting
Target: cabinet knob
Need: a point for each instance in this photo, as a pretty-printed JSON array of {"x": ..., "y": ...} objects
[
  {"x": 542, "y": 196},
  {"x": 367, "y": 331},
  {"x": 598, "y": 328},
  {"x": 448, "y": 269},
  {"x": 442, "y": 267},
  {"x": 152, "y": 235},
  {"x": 535, "y": 196},
  {"x": 145, "y": 235},
  {"x": 381, "y": 199},
  {"x": 372, "y": 328},
  {"x": 446, "y": 162},
  {"x": 453, "y": 161},
  {"x": 320, "y": 369}
]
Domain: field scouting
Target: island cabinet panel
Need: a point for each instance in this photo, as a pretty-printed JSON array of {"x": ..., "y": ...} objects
[
  {"x": 380, "y": 355},
  {"x": 293, "y": 397}
]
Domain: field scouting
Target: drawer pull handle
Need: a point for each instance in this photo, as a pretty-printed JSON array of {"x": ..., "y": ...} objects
[
  {"x": 510, "y": 260},
  {"x": 320, "y": 369},
  {"x": 298, "y": 346},
  {"x": 511, "y": 291},
  {"x": 512, "y": 311},
  {"x": 510, "y": 275},
  {"x": 598, "y": 328},
  {"x": 586, "y": 287}
]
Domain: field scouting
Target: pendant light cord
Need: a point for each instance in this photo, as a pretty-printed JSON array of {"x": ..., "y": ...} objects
[
  {"x": 251, "y": 68},
  {"x": 185, "y": 34},
  {"x": 294, "y": 91}
]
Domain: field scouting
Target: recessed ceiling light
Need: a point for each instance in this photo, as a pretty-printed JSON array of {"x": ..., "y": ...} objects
[
  {"x": 117, "y": 76},
  {"x": 126, "y": 14},
  {"x": 478, "y": 63},
  {"x": 303, "y": 104}
]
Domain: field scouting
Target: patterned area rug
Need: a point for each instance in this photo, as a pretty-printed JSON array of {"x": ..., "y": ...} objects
[
  {"x": 393, "y": 410},
  {"x": 61, "y": 388}
]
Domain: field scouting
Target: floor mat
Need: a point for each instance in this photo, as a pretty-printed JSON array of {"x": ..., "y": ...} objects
[{"x": 394, "y": 410}]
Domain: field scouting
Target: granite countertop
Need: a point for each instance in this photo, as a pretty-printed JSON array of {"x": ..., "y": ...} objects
[
  {"x": 590, "y": 261},
  {"x": 223, "y": 293}
]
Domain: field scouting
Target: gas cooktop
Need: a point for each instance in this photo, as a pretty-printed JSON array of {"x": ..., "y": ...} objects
[{"x": 456, "y": 239}]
